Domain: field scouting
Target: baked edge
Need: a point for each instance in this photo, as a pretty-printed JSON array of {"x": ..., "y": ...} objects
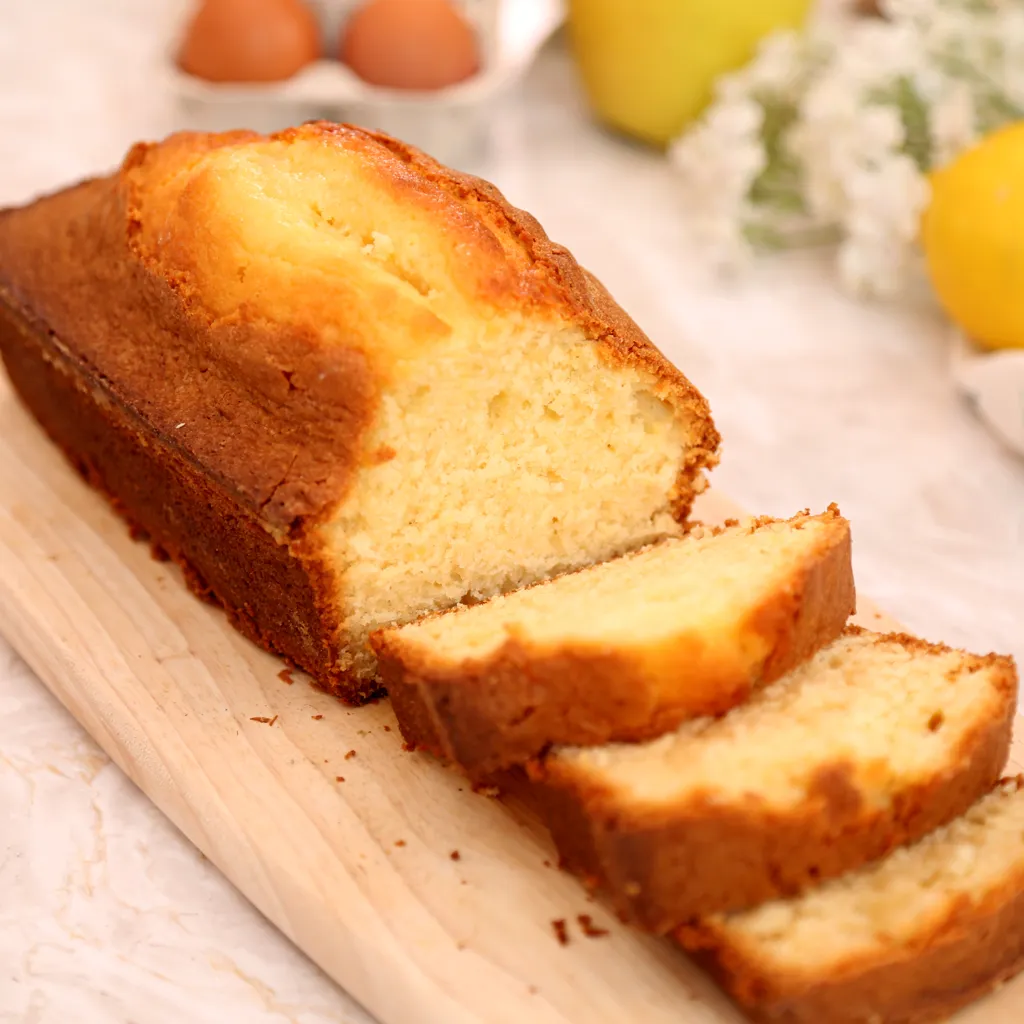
[
  {"x": 491, "y": 713},
  {"x": 220, "y": 545},
  {"x": 744, "y": 859},
  {"x": 966, "y": 955}
]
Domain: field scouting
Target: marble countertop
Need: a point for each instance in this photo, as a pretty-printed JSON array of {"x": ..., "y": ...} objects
[{"x": 106, "y": 913}]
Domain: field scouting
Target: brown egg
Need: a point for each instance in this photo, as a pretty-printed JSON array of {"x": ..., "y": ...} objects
[
  {"x": 410, "y": 44},
  {"x": 250, "y": 40}
]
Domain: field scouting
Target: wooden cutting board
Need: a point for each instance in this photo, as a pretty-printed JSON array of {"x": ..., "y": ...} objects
[{"x": 358, "y": 873}]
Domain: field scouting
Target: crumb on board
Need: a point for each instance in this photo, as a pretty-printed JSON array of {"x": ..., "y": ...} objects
[
  {"x": 350, "y": 755},
  {"x": 316, "y": 718},
  {"x": 547, "y": 863},
  {"x": 409, "y": 748},
  {"x": 387, "y": 728},
  {"x": 263, "y": 720},
  {"x": 485, "y": 790},
  {"x": 339, "y": 778},
  {"x": 399, "y": 842},
  {"x": 587, "y": 926},
  {"x": 455, "y": 855},
  {"x": 285, "y": 675},
  {"x": 561, "y": 931}
]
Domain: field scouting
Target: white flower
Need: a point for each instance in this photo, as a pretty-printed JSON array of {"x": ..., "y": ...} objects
[
  {"x": 953, "y": 124},
  {"x": 835, "y": 140},
  {"x": 779, "y": 68},
  {"x": 719, "y": 160},
  {"x": 881, "y": 225},
  {"x": 859, "y": 110}
]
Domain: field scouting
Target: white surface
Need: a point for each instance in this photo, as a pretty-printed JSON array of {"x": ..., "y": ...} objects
[{"x": 106, "y": 914}]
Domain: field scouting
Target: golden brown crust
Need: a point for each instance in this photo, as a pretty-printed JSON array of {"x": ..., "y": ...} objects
[
  {"x": 967, "y": 954},
  {"x": 509, "y": 706},
  {"x": 224, "y": 550},
  {"x": 271, "y": 417},
  {"x": 665, "y": 866},
  {"x": 271, "y": 420}
]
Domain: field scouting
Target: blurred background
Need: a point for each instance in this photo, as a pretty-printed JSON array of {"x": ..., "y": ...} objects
[
  {"x": 602, "y": 130},
  {"x": 815, "y": 210}
]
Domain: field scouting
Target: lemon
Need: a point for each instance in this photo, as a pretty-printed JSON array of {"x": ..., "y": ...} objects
[
  {"x": 973, "y": 239},
  {"x": 649, "y": 66}
]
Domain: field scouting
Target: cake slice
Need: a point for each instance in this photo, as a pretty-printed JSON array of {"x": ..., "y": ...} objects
[
  {"x": 906, "y": 940},
  {"x": 874, "y": 742},
  {"x": 625, "y": 650},
  {"x": 340, "y": 384}
]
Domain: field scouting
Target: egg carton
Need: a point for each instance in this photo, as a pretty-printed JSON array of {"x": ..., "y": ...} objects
[
  {"x": 484, "y": 15},
  {"x": 449, "y": 123},
  {"x": 994, "y": 384}
]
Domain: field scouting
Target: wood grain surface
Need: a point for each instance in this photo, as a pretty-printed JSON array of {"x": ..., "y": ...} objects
[{"x": 313, "y": 810}]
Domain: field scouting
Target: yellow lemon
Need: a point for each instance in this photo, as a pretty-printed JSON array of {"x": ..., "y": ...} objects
[
  {"x": 649, "y": 66},
  {"x": 973, "y": 239}
]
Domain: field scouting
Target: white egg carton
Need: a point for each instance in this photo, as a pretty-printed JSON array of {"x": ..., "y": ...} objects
[
  {"x": 994, "y": 382},
  {"x": 448, "y": 123}
]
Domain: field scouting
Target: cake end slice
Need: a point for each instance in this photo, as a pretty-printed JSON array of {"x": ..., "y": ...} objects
[{"x": 906, "y": 940}]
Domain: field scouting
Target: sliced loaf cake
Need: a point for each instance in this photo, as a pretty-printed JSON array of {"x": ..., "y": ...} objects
[
  {"x": 871, "y": 744},
  {"x": 908, "y": 939},
  {"x": 341, "y": 385},
  {"x": 624, "y": 650}
]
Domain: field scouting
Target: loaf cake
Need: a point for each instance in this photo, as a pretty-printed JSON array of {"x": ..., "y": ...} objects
[
  {"x": 340, "y": 384},
  {"x": 623, "y": 650},
  {"x": 906, "y": 940},
  {"x": 871, "y": 744}
]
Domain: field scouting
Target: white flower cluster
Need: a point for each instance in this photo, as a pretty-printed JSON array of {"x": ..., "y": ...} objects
[{"x": 831, "y": 133}]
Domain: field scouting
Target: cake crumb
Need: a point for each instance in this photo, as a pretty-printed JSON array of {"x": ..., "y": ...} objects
[
  {"x": 484, "y": 790},
  {"x": 285, "y": 675},
  {"x": 264, "y": 721},
  {"x": 399, "y": 842},
  {"x": 547, "y": 863},
  {"x": 387, "y": 728},
  {"x": 561, "y": 932},
  {"x": 455, "y": 855},
  {"x": 591, "y": 930},
  {"x": 316, "y": 718},
  {"x": 350, "y": 755},
  {"x": 339, "y": 778}
]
